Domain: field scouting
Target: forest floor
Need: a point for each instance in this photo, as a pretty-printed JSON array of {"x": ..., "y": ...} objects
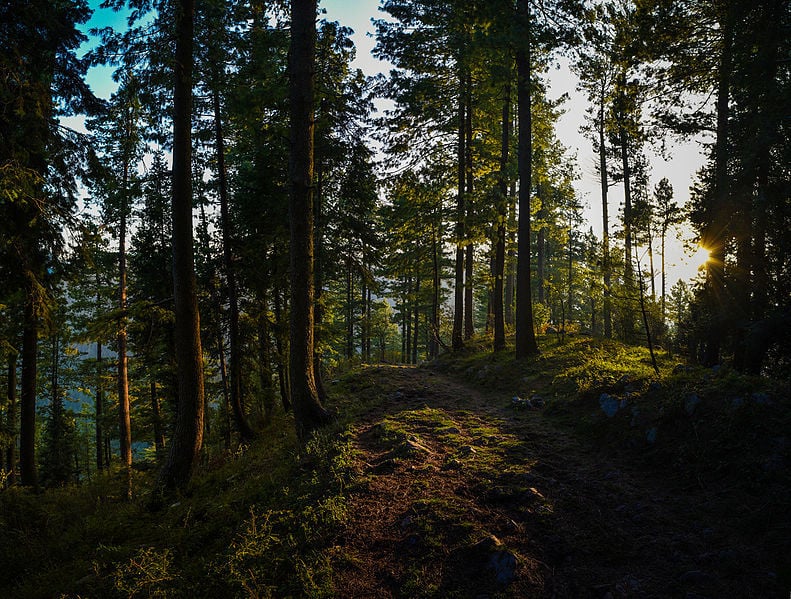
[
  {"x": 459, "y": 492},
  {"x": 580, "y": 473}
]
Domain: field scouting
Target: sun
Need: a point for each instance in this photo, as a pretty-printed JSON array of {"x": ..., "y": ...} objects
[{"x": 701, "y": 257}]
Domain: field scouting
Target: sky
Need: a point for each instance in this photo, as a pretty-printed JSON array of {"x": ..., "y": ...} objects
[{"x": 680, "y": 169}]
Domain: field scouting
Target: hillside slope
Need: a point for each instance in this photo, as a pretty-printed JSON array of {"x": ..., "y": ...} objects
[{"x": 578, "y": 474}]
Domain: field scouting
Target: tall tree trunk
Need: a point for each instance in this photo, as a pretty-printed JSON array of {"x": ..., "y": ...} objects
[
  {"x": 457, "y": 340},
  {"x": 628, "y": 323},
  {"x": 27, "y": 397},
  {"x": 187, "y": 439},
  {"x": 510, "y": 264},
  {"x": 99, "y": 408},
  {"x": 416, "y": 312},
  {"x": 715, "y": 237},
  {"x": 469, "y": 254},
  {"x": 349, "y": 307},
  {"x": 264, "y": 362},
  {"x": 605, "y": 186},
  {"x": 226, "y": 394},
  {"x": 234, "y": 341},
  {"x": 664, "y": 273},
  {"x": 318, "y": 315},
  {"x": 156, "y": 413},
  {"x": 525, "y": 334},
  {"x": 10, "y": 455},
  {"x": 502, "y": 215},
  {"x": 541, "y": 248},
  {"x": 435, "y": 295},
  {"x": 309, "y": 414},
  {"x": 124, "y": 418},
  {"x": 282, "y": 370}
]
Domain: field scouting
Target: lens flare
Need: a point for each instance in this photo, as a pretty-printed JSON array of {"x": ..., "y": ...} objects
[{"x": 701, "y": 257}]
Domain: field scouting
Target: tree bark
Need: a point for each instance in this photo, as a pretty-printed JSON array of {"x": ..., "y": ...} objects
[
  {"x": 187, "y": 439},
  {"x": 124, "y": 418},
  {"x": 469, "y": 254},
  {"x": 11, "y": 417},
  {"x": 715, "y": 237},
  {"x": 159, "y": 435},
  {"x": 27, "y": 397},
  {"x": 99, "y": 408},
  {"x": 606, "y": 272},
  {"x": 457, "y": 340},
  {"x": 526, "y": 345},
  {"x": 235, "y": 375},
  {"x": 502, "y": 214},
  {"x": 309, "y": 414}
]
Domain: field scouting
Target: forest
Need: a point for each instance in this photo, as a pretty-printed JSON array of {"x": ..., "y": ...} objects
[{"x": 272, "y": 326}]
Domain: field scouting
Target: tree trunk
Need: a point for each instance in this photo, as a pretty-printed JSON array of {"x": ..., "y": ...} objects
[
  {"x": 319, "y": 281},
  {"x": 309, "y": 414},
  {"x": 541, "y": 249},
  {"x": 282, "y": 370},
  {"x": 715, "y": 237},
  {"x": 11, "y": 418},
  {"x": 264, "y": 363},
  {"x": 435, "y": 296},
  {"x": 235, "y": 378},
  {"x": 99, "y": 408},
  {"x": 525, "y": 335},
  {"x": 469, "y": 254},
  {"x": 606, "y": 272},
  {"x": 187, "y": 439},
  {"x": 502, "y": 215},
  {"x": 124, "y": 418},
  {"x": 457, "y": 341},
  {"x": 510, "y": 265},
  {"x": 27, "y": 397},
  {"x": 415, "y": 328},
  {"x": 159, "y": 435}
]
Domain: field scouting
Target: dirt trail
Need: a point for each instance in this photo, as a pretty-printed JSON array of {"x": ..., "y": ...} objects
[{"x": 459, "y": 495}]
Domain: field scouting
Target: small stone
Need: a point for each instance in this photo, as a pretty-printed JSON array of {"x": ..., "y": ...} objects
[
  {"x": 762, "y": 399},
  {"x": 691, "y": 402},
  {"x": 650, "y": 435},
  {"x": 537, "y": 401},
  {"x": 521, "y": 404},
  {"x": 609, "y": 404},
  {"x": 503, "y": 563}
]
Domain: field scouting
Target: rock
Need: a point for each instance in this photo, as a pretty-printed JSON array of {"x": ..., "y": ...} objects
[
  {"x": 538, "y": 401},
  {"x": 551, "y": 331},
  {"x": 467, "y": 450},
  {"x": 521, "y": 404},
  {"x": 624, "y": 380},
  {"x": 650, "y": 435},
  {"x": 691, "y": 402},
  {"x": 452, "y": 464},
  {"x": 503, "y": 563},
  {"x": 762, "y": 399},
  {"x": 398, "y": 394},
  {"x": 609, "y": 404},
  {"x": 654, "y": 387},
  {"x": 736, "y": 403},
  {"x": 716, "y": 368},
  {"x": 451, "y": 430},
  {"x": 628, "y": 586},
  {"x": 681, "y": 369},
  {"x": 335, "y": 381}
]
